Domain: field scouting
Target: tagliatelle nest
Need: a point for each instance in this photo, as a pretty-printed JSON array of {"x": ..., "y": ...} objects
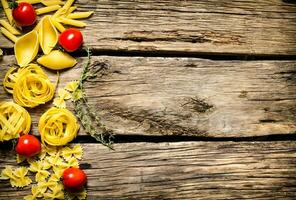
[
  {"x": 58, "y": 126},
  {"x": 30, "y": 86},
  {"x": 14, "y": 120}
]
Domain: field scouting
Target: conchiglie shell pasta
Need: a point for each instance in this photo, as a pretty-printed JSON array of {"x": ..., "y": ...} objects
[
  {"x": 57, "y": 60},
  {"x": 48, "y": 35},
  {"x": 26, "y": 48}
]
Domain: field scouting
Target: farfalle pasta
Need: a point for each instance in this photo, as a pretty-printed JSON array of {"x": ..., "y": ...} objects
[
  {"x": 69, "y": 153},
  {"x": 18, "y": 176},
  {"x": 40, "y": 168},
  {"x": 14, "y": 120},
  {"x": 32, "y": 87}
]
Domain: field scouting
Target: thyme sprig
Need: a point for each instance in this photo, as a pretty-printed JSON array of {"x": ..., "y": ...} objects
[{"x": 87, "y": 116}]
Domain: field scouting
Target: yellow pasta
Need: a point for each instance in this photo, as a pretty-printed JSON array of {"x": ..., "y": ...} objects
[
  {"x": 9, "y": 79},
  {"x": 81, "y": 195},
  {"x": 32, "y": 87},
  {"x": 50, "y": 150},
  {"x": 26, "y": 48},
  {"x": 8, "y": 34},
  {"x": 59, "y": 12},
  {"x": 8, "y": 27},
  {"x": 40, "y": 168},
  {"x": 60, "y": 100},
  {"x": 47, "y": 35},
  {"x": 57, "y": 193},
  {"x": 58, "y": 25},
  {"x": 7, "y": 10},
  {"x": 57, "y": 60},
  {"x": 71, "y": 86},
  {"x": 58, "y": 126},
  {"x": 14, "y": 120},
  {"x": 43, "y": 185},
  {"x": 20, "y": 159},
  {"x": 35, "y": 193},
  {"x": 30, "y": 1},
  {"x": 16, "y": 176},
  {"x": 79, "y": 15},
  {"x": 6, "y": 173},
  {"x": 47, "y": 9},
  {"x": 68, "y": 4},
  {"x": 72, "y": 22},
  {"x": 69, "y": 153},
  {"x": 70, "y": 10},
  {"x": 73, "y": 162},
  {"x": 52, "y": 2}
]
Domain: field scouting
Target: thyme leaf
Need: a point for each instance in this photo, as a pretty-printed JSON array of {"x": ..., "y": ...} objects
[{"x": 87, "y": 116}]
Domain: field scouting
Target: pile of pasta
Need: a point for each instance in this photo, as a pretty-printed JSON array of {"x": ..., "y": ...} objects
[
  {"x": 47, "y": 168},
  {"x": 14, "y": 120},
  {"x": 30, "y": 87}
]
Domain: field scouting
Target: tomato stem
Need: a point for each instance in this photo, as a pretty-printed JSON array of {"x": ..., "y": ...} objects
[{"x": 13, "y": 4}]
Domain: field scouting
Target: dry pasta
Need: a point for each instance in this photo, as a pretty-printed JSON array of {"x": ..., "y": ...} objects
[
  {"x": 52, "y": 2},
  {"x": 79, "y": 15},
  {"x": 47, "y": 9},
  {"x": 8, "y": 27},
  {"x": 7, "y": 10},
  {"x": 58, "y": 126},
  {"x": 8, "y": 34},
  {"x": 32, "y": 87},
  {"x": 58, "y": 25},
  {"x": 72, "y": 22},
  {"x": 14, "y": 120}
]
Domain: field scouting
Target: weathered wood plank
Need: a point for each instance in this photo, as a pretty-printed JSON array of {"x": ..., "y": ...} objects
[
  {"x": 184, "y": 170},
  {"x": 210, "y": 26},
  {"x": 187, "y": 96}
]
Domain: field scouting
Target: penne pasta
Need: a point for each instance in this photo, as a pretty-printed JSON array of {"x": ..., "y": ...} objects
[
  {"x": 10, "y": 28},
  {"x": 79, "y": 15},
  {"x": 47, "y": 9},
  {"x": 7, "y": 10},
  {"x": 29, "y": 1},
  {"x": 8, "y": 34},
  {"x": 70, "y": 10},
  {"x": 58, "y": 25},
  {"x": 68, "y": 4},
  {"x": 71, "y": 22},
  {"x": 52, "y": 2}
]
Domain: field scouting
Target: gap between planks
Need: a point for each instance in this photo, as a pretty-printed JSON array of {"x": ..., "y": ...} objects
[
  {"x": 185, "y": 170},
  {"x": 182, "y": 54}
]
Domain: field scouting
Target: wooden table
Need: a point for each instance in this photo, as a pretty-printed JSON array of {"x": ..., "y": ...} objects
[{"x": 201, "y": 97}]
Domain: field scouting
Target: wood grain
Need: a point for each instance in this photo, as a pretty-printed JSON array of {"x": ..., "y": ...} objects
[
  {"x": 209, "y": 26},
  {"x": 186, "y": 96},
  {"x": 183, "y": 170}
]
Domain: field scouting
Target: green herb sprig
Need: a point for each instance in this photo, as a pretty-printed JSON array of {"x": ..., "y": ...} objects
[{"x": 89, "y": 118}]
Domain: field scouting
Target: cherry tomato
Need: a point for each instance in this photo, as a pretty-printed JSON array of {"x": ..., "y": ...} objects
[
  {"x": 74, "y": 178},
  {"x": 71, "y": 39},
  {"x": 24, "y": 14},
  {"x": 28, "y": 146}
]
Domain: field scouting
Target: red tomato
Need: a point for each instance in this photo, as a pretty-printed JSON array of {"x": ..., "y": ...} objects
[
  {"x": 28, "y": 146},
  {"x": 24, "y": 14},
  {"x": 74, "y": 178},
  {"x": 71, "y": 39}
]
